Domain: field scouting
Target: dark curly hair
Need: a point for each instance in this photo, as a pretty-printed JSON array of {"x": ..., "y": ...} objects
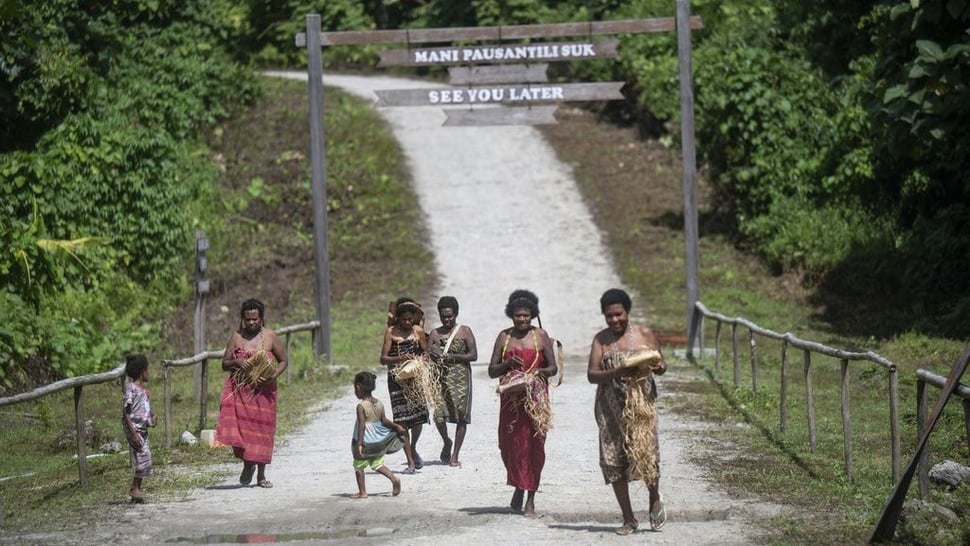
[
  {"x": 252, "y": 304},
  {"x": 367, "y": 381},
  {"x": 614, "y": 296},
  {"x": 448, "y": 302},
  {"x": 134, "y": 365},
  {"x": 522, "y": 298}
]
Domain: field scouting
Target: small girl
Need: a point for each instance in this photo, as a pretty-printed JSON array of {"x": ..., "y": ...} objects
[
  {"x": 374, "y": 436},
  {"x": 137, "y": 416}
]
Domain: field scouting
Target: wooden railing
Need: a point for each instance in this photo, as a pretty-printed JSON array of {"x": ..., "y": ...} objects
[
  {"x": 808, "y": 348},
  {"x": 924, "y": 378},
  {"x": 78, "y": 384}
]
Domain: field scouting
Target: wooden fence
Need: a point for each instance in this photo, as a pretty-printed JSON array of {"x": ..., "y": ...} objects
[
  {"x": 808, "y": 348},
  {"x": 924, "y": 378},
  {"x": 78, "y": 384}
]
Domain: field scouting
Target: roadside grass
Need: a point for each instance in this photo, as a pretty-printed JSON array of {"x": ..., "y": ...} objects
[
  {"x": 634, "y": 189},
  {"x": 261, "y": 243}
]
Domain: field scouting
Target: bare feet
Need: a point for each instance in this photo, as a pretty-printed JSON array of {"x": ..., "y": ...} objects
[
  {"x": 530, "y": 510},
  {"x": 455, "y": 462},
  {"x": 516, "y": 504},
  {"x": 137, "y": 495},
  {"x": 360, "y": 495},
  {"x": 446, "y": 452},
  {"x": 396, "y": 488}
]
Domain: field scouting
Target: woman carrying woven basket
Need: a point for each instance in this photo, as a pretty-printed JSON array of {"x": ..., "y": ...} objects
[
  {"x": 254, "y": 358},
  {"x": 405, "y": 343},
  {"x": 523, "y": 355},
  {"x": 623, "y": 360}
]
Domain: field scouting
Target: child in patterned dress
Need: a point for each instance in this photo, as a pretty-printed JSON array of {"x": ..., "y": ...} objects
[{"x": 137, "y": 416}]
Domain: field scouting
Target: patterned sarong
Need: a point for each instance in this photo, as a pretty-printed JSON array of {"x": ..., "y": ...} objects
[{"x": 247, "y": 420}]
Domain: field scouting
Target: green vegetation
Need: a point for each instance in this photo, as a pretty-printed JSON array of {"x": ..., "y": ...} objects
[{"x": 28, "y": 430}]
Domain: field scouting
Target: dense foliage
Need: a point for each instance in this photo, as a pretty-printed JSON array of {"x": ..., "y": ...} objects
[{"x": 834, "y": 132}]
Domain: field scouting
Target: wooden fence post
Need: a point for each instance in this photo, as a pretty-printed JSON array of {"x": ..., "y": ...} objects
[
  {"x": 923, "y": 476},
  {"x": 810, "y": 399},
  {"x": 168, "y": 404},
  {"x": 753, "y": 348},
  {"x": 846, "y": 422},
  {"x": 82, "y": 437},
  {"x": 783, "y": 402},
  {"x": 734, "y": 353},
  {"x": 896, "y": 447},
  {"x": 717, "y": 346}
]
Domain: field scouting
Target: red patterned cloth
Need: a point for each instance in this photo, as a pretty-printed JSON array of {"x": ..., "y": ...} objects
[
  {"x": 523, "y": 450},
  {"x": 247, "y": 417}
]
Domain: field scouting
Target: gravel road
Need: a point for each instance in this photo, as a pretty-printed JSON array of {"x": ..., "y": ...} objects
[{"x": 503, "y": 213}]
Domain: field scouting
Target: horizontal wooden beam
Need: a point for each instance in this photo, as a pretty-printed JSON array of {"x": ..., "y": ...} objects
[
  {"x": 496, "y": 33},
  {"x": 535, "y": 115},
  {"x": 507, "y": 94}
]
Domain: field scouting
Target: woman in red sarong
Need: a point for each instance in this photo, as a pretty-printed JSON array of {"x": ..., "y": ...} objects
[
  {"x": 247, "y": 413},
  {"x": 523, "y": 352}
]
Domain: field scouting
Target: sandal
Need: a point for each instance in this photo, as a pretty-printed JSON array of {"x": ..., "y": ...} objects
[
  {"x": 628, "y": 528},
  {"x": 265, "y": 484},
  {"x": 658, "y": 518}
]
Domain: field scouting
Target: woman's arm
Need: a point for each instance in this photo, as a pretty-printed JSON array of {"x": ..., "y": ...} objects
[
  {"x": 469, "y": 337},
  {"x": 594, "y": 370},
  {"x": 496, "y": 366},
  {"x": 230, "y": 362},
  {"x": 279, "y": 351},
  {"x": 549, "y": 355},
  {"x": 422, "y": 338},
  {"x": 660, "y": 367},
  {"x": 386, "y": 358}
]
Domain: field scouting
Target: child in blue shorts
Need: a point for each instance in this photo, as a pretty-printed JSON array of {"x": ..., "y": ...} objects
[{"x": 374, "y": 436}]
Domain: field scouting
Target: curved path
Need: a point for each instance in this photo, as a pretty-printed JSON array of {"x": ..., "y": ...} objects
[{"x": 503, "y": 213}]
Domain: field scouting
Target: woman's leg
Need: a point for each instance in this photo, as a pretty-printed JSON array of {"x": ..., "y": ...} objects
[
  {"x": 621, "y": 490},
  {"x": 442, "y": 427},
  {"x": 415, "y": 434},
  {"x": 459, "y": 439},
  {"x": 516, "y": 504},
  {"x": 530, "y": 505}
]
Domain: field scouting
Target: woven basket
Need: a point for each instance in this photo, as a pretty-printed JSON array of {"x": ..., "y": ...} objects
[
  {"x": 409, "y": 369},
  {"x": 644, "y": 356}
]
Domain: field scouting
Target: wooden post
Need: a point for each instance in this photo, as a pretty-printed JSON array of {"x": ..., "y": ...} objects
[
  {"x": 318, "y": 178},
  {"x": 783, "y": 399},
  {"x": 923, "y": 475},
  {"x": 167, "y": 373},
  {"x": 753, "y": 347},
  {"x": 734, "y": 354},
  {"x": 82, "y": 437},
  {"x": 201, "y": 290},
  {"x": 717, "y": 347},
  {"x": 810, "y": 400},
  {"x": 287, "y": 349},
  {"x": 896, "y": 447},
  {"x": 204, "y": 402},
  {"x": 690, "y": 166},
  {"x": 846, "y": 422}
]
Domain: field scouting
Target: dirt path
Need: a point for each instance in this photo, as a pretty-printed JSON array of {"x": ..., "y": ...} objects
[{"x": 466, "y": 179}]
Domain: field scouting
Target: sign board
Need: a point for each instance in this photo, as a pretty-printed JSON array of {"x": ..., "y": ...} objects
[
  {"x": 535, "y": 115},
  {"x": 505, "y": 94},
  {"x": 499, "y": 53},
  {"x": 498, "y": 73}
]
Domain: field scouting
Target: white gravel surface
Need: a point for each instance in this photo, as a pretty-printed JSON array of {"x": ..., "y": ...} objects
[{"x": 504, "y": 213}]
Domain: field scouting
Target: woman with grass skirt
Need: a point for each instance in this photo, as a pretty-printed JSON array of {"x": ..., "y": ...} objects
[
  {"x": 624, "y": 407},
  {"x": 254, "y": 358},
  {"x": 523, "y": 359}
]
